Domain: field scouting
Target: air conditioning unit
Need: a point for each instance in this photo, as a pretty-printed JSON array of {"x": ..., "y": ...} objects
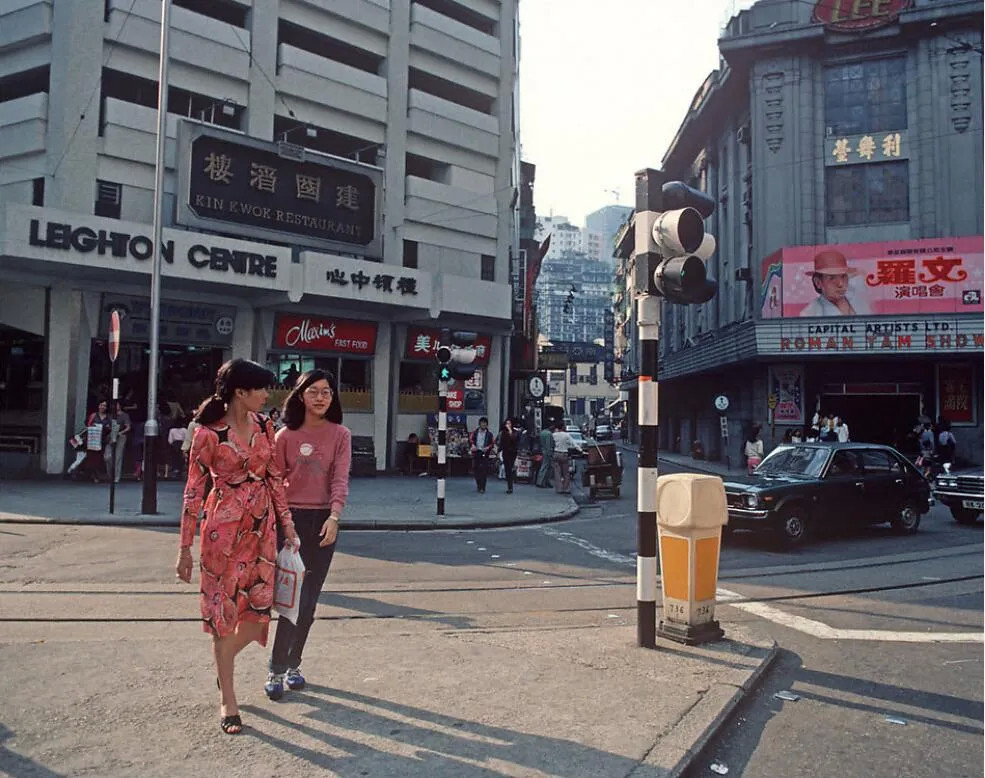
[{"x": 743, "y": 135}]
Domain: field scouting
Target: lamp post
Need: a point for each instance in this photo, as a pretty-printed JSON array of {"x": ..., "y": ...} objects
[{"x": 149, "y": 500}]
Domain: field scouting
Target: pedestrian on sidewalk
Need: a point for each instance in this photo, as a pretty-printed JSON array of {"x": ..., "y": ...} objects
[
  {"x": 506, "y": 442},
  {"x": 239, "y": 538},
  {"x": 841, "y": 430},
  {"x": 545, "y": 476},
  {"x": 314, "y": 452},
  {"x": 563, "y": 443},
  {"x": 753, "y": 450},
  {"x": 481, "y": 444},
  {"x": 96, "y": 463},
  {"x": 121, "y": 420}
]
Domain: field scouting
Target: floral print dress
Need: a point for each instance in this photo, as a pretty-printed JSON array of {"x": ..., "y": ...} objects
[{"x": 239, "y": 536}]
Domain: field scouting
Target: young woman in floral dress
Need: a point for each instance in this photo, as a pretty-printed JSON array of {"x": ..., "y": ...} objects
[{"x": 235, "y": 447}]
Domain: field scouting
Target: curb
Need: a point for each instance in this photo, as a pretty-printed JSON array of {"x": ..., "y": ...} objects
[
  {"x": 359, "y": 525},
  {"x": 682, "y": 756}
]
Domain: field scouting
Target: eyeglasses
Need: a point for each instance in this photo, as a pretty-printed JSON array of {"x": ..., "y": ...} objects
[{"x": 313, "y": 393}]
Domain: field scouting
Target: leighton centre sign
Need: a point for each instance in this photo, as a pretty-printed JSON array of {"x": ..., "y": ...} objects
[{"x": 231, "y": 183}]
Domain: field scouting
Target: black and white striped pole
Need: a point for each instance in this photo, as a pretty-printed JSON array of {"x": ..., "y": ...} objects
[
  {"x": 442, "y": 442},
  {"x": 648, "y": 193},
  {"x": 670, "y": 250},
  {"x": 456, "y": 353}
]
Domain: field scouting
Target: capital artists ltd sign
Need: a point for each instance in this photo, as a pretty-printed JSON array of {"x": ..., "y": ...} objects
[
  {"x": 319, "y": 333},
  {"x": 858, "y": 15},
  {"x": 937, "y": 335}
]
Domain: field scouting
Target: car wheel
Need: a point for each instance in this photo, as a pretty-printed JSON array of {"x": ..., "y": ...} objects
[
  {"x": 907, "y": 519},
  {"x": 964, "y": 515},
  {"x": 794, "y": 526}
]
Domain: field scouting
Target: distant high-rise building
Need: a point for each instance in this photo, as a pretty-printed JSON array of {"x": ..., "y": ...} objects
[
  {"x": 573, "y": 294},
  {"x": 605, "y": 222}
]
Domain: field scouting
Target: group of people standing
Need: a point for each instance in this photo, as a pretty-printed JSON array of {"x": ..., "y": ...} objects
[
  {"x": 253, "y": 491},
  {"x": 101, "y": 447},
  {"x": 555, "y": 443},
  {"x": 483, "y": 446}
]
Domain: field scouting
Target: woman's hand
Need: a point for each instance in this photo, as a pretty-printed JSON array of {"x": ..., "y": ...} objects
[
  {"x": 290, "y": 536},
  {"x": 329, "y": 531},
  {"x": 183, "y": 567}
]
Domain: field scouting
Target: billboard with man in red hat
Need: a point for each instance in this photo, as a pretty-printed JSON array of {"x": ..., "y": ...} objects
[{"x": 935, "y": 275}]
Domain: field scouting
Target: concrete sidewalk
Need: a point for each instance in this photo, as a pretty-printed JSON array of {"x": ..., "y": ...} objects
[
  {"x": 385, "y": 502},
  {"x": 689, "y": 463}
]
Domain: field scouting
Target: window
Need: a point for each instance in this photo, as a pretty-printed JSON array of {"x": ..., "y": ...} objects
[
  {"x": 448, "y": 90},
  {"x": 37, "y": 195},
  {"x": 27, "y": 82},
  {"x": 868, "y": 194},
  {"x": 460, "y": 13},
  {"x": 108, "y": 199},
  {"x": 845, "y": 463},
  {"x": 312, "y": 136},
  {"x": 224, "y": 10},
  {"x": 328, "y": 47},
  {"x": 866, "y": 96},
  {"x": 879, "y": 462},
  {"x": 410, "y": 253},
  {"x": 488, "y": 270},
  {"x": 432, "y": 170},
  {"x": 354, "y": 376},
  {"x": 143, "y": 91}
]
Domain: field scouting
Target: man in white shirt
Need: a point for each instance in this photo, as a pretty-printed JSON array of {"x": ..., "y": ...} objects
[
  {"x": 842, "y": 429},
  {"x": 563, "y": 442}
]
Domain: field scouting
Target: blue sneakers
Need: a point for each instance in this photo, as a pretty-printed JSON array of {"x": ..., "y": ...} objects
[
  {"x": 274, "y": 687},
  {"x": 295, "y": 681}
]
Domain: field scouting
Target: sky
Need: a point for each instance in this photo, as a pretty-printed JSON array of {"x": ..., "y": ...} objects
[{"x": 604, "y": 87}]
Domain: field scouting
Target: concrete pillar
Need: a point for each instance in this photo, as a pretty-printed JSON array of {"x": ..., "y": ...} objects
[
  {"x": 394, "y": 180},
  {"x": 262, "y": 97},
  {"x": 61, "y": 339},
  {"x": 72, "y": 142},
  {"x": 383, "y": 398},
  {"x": 243, "y": 333}
]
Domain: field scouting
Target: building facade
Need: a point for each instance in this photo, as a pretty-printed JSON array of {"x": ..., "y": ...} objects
[
  {"x": 574, "y": 293},
  {"x": 842, "y": 144},
  {"x": 341, "y": 183},
  {"x": 605, "y": 223}
]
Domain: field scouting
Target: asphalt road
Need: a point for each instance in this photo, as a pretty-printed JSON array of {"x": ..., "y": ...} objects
[{"x": 822, "y": 603}]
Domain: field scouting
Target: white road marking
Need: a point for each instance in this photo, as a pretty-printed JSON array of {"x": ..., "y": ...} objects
[
  {"x": 601, "y": 553},
  {"x": 821, "y": 630}
]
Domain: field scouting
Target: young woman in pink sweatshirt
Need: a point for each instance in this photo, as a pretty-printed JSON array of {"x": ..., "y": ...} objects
[{"x": 313, "y": 450}]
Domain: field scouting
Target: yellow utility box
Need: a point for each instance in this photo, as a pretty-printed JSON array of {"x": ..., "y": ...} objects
[{"x": 691, "y": 511}]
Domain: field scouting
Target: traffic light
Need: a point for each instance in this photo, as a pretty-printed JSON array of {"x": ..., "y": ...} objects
[
  {"x": 456, "y": 355},
  {"x": 680, "y": 275}
]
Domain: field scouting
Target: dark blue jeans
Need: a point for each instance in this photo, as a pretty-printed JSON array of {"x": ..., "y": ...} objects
[{"x": 290, "y": 639}]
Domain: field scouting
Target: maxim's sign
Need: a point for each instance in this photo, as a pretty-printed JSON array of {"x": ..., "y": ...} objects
[
  {"x": 858, "y": 15},
  {"x": 231, "y": 183}
]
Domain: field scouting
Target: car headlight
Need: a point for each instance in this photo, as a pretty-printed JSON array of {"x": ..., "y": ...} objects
[{"x": 751, "y": 501}]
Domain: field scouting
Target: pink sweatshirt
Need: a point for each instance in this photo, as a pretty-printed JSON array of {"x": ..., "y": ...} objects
[{"x": 316, "y": 465}]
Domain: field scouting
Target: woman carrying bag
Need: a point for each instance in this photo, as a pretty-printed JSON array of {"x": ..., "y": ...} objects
[
  {"x": 314, "y": 450},
  {"x": 234, "y": 447},
  {"x": 753, "y": 450}
]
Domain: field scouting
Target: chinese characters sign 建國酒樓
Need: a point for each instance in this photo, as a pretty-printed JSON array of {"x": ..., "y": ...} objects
[
  {"x": 228, "y": 180},
  {"x": 874, "y": 147}
]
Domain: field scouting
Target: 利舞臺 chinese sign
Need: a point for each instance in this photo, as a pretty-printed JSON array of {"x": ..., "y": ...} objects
[{"x": 232, "y": 183}]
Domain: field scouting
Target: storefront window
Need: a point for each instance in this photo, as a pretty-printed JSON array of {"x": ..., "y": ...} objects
[
  {"x": 354, "y": 376},
  {"x": 418, "y": 387},
  {"x": 866, "y": 96},
  {"x": 21, "y": 378}
]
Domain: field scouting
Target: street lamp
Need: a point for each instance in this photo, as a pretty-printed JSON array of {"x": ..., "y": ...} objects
[{"x": 148, "y": 502}]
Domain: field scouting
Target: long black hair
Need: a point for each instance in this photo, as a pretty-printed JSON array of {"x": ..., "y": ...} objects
[
  {"x": 293, "y": 413},
  {"x": 234, "y": 374}
]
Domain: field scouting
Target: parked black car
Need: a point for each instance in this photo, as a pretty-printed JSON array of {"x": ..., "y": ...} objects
[
  {"x": 963, "y": 491},
  {"x": 802, "y": 486}
]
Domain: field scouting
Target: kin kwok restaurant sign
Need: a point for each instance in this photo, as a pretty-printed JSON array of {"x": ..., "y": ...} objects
[
  {"x": 228, "y": 182},
  {"x": 858, "y": 15}
]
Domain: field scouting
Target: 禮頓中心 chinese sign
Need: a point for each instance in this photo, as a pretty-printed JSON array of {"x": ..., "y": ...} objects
[{"x": 231, "y": 183}]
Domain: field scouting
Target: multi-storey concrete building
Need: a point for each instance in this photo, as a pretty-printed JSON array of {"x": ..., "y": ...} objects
[
  {"x": 843, "y": 145},
  {"x": 276, "y": 248},
  {"x": 574, "y": 293}
]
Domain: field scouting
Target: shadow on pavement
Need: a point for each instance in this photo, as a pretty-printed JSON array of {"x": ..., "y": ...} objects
[{"x": 431, "y": 744}]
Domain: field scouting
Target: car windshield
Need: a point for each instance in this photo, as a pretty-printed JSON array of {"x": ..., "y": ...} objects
[{"x": 794, "y": 460}]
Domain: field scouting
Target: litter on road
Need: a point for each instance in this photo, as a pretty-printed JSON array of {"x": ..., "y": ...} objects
[
  {"x": 787, "y": 696},
  {"x": 718, "y": 767},
  {"x": 896, "y": 720}
]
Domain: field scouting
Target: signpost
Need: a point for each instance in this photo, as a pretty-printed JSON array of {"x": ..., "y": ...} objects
[
  {"x": 721, "y": 405},
  {"x": 114, "y": 429},
  {"x": 772, "y": 402}
]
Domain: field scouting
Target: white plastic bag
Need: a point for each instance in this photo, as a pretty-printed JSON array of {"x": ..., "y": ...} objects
[{"x": 287, "y": 583}]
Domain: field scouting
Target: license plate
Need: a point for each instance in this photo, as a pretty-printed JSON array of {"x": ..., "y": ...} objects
[{"x": 976, "y": 504}]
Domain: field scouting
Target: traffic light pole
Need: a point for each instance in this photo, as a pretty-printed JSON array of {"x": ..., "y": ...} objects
[
  {"x": 648, "y": 324},
  {"x": 442, "y": 443}
]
